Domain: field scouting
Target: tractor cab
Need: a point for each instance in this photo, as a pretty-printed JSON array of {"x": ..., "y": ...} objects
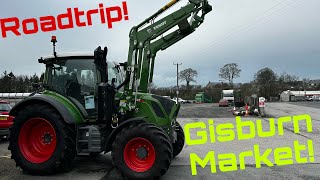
[{"x": 76, "y": 76}]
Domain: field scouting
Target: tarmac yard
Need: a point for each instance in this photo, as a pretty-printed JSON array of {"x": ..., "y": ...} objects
[{"x": 101, "y": 167}]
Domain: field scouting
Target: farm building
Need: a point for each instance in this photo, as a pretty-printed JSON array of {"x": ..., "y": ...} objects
[
  {"x": 288, "y": 95},
  {"x": 314, "y": 82}
]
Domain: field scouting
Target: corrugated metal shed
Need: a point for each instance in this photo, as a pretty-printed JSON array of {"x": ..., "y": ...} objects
[{"x": 305, "y": 93}]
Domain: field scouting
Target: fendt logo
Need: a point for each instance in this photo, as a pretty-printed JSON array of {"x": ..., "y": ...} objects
[
  {"x": 160, "y": 25},
  {"x": 156, "y": 27}
]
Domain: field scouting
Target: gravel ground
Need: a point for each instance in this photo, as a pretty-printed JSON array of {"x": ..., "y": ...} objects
[
  {"x": 205, "y": 111},
  {"x": 101, "y": 167}
]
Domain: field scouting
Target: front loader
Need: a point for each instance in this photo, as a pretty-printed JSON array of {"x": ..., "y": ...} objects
[{"x": 89, "y": 105}]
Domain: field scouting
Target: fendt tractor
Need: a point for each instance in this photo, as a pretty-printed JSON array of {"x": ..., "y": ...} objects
[{"x": 87, "y": 105}]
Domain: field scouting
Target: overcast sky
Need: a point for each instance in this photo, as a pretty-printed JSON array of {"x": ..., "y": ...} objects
[{"x": 280, "y": 34}]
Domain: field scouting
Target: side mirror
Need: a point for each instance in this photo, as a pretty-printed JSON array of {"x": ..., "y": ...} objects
[{"x": 41, "y": 61}]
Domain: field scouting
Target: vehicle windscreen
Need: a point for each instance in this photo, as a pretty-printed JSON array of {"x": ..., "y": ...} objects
[
  {"x": 5, "y": 107},
  {"x": 228, "y": 95},
  {"x": 73, "y": 77}
]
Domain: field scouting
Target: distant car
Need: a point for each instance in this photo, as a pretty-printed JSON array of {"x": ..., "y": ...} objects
[
  {"x": 179, "y": 100},
  {"x": 309, "y": 98},
  {"x": 6, "y": 121},
  {"x": 190, "y": 101},
  {"x": 168, "y": 97},
  {"x": 224, "y": 103}
]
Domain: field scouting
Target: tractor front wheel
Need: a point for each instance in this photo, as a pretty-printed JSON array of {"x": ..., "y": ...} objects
[
  {"x": 40, "y": 141},
  {"x": 142, "y": 151}
]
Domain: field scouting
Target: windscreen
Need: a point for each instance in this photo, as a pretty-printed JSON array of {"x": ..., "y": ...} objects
[
  {"x": 73, "y": 77},
  {"x": 5, "y": 107},
  {"x": 228, "y": 95}
]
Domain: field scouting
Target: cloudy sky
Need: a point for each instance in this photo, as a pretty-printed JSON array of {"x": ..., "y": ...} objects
[{"x": 280, "y": 34}]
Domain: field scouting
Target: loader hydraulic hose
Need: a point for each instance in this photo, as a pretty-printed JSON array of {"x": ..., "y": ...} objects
[
  {"x": 173, "y": 2},
  {"x": 127, "y": 79},
  {"x": 160, "y": 11},
  {"x": 124, "y": 82}
]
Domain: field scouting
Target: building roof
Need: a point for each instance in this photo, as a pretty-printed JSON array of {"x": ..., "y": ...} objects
[
  {"x": 302, "y": 93},
  {"x": 211, "y": 84},
  {"x": 317, "y": 81}
]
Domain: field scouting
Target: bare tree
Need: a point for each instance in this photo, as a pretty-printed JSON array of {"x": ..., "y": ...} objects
[
  {"x": 305, "y": 83},
  {"x": 266, "y": 81},
  {"x": 230, "y": 72},
  {"x": 188, "y": 75},
  {"x": 287, "y": 78}
]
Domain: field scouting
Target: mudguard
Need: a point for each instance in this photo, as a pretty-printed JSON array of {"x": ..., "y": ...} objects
[{"x": 68, "y": 116}]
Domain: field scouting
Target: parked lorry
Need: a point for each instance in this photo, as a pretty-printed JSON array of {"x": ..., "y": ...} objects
[
  {"x": 234, "y": 97},
  {"x": 202, "y": 97},
  {"x": 228, "y": 95}
]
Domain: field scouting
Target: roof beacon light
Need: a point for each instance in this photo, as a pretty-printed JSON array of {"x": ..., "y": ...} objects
[{"x": 54, "y": 41}]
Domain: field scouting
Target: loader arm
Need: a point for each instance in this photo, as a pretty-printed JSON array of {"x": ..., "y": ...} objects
[{"x": 145, "y": 42}]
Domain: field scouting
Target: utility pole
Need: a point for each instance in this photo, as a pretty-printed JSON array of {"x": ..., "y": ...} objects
[{"x": 177, "y": 92}]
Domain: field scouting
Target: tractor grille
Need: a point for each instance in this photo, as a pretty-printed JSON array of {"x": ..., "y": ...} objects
[{"x": 166, "y": 103}]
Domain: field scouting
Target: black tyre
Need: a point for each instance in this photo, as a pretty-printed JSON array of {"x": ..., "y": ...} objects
[
  {"x": 142, "y": 151},
  {"x": 40, "y": 142},
  {"x": 179, "y": 144}
]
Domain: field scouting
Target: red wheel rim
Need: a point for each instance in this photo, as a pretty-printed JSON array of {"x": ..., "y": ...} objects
[
  {"x": 139, "y": 155},
  {"x": 37, "y": 140}
]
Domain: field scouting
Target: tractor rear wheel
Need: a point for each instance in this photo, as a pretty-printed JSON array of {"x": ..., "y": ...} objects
[
  {"x": 40, "y": 141},
  {"x": 179, "y": 144},
  {"x": 142, "y": 151}
]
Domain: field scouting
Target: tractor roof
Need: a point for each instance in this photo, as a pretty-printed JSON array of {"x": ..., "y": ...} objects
[{"x": 73, "y": 55}]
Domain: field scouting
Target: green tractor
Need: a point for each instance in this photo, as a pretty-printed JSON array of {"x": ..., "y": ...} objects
[{"x": 88, "y": 105}]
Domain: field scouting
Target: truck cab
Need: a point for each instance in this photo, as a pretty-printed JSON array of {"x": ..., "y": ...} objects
[{"x": 228, "y": 95}]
